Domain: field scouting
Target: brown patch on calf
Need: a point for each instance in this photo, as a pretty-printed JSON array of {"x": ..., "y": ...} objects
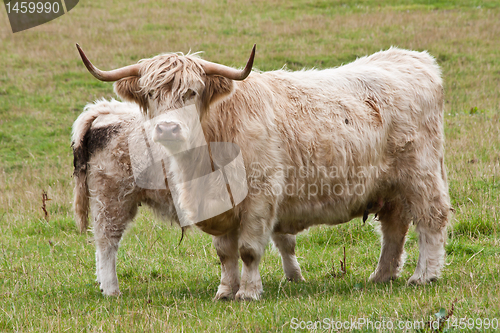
[{"x": 95, "y": 139}]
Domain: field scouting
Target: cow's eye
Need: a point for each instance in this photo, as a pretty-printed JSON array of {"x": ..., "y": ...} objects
[
  {"x": 188, "y": 95},
  {"x": 151, "y": 93}
]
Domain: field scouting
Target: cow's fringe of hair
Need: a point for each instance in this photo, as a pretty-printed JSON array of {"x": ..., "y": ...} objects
[{"x": 179, "y": 69}]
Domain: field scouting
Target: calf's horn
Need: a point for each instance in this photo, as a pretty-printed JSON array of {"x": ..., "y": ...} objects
[
  {"x": 114, "y": 75},
  {"x": 211, "y": 68}
]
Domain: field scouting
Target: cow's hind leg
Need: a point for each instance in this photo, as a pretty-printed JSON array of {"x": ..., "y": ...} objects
[
  {"x": 432, "y": 253},
  {"x": 394, "y": 224},
  {"x": 431, "y": 241},
  {"x": 286, "y": 245},
  {"x": 430, "y": 208},
  {"x": 227, "y": 250},
  {"x": 110, "y": 221}
]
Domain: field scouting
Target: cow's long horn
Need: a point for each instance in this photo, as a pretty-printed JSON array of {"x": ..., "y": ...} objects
[
  {"x": 231, "y": 73},
  {"x": 114, "y": 75}
]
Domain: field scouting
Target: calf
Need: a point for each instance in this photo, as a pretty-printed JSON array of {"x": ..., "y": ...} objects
[{"x": 106, "y": 183}]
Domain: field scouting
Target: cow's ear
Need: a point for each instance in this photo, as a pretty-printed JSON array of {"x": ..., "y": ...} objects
[
  {"x": 216, "y": 88},
  {"x": 129, "y": 90}
]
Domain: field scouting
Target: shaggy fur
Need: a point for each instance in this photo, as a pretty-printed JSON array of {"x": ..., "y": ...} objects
[
  {"x": 104, "y": 181},
  {"x": 381, "y": 114}
]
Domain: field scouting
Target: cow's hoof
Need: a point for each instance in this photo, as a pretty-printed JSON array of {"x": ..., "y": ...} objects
[
  {"x": 299, "y": 278},
  {"x": 244, "y": 295},
  {"x": 421, "y": 279},
  {"x": 225, "y": 292},
  {"x": 224, "y": 296},
  {"x": 416, "y": 280},
  {"x": 377, "y": 277}
]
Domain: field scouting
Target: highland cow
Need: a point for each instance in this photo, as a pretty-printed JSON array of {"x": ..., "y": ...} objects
[{"x": 319, "y": 147}]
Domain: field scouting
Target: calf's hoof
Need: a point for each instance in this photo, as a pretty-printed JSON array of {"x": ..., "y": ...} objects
[
  {"x": 110, "y": 291},
  {"x": 114, "y": 293}
]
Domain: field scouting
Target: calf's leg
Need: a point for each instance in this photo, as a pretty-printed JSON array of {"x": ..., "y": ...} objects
[
  {"x": 110, "y": 221},
  {"x": 106, "y": 250}
]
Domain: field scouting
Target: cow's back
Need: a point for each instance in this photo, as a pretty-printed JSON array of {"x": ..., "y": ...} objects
[{"x": 366, "y": 122}]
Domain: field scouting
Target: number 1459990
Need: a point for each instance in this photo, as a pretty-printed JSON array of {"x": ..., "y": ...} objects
[
  {"x": 472, "y": 323},
  {"x": 32, "y": 7}
]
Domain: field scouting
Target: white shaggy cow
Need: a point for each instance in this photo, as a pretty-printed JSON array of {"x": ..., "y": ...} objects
[
  {"x": 319, "y": 147},
  {"x": 105, "y": 182}
]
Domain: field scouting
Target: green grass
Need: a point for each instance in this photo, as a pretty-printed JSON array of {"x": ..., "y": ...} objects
[{"x": 47, "y": 267}]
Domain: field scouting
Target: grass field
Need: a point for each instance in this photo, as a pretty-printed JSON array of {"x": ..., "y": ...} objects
[{"x": 47, "y": 267}]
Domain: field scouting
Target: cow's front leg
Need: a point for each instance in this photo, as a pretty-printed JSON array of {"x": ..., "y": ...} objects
[
  {"x": 286, "y": 245},
  {"x": 251, "y": 283},
  {"x": 227, "y": 250},
  {"x": 255, "y": 232}
]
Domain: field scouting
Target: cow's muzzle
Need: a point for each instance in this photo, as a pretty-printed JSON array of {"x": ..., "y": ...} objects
[{"x": 167, "y": 131}]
